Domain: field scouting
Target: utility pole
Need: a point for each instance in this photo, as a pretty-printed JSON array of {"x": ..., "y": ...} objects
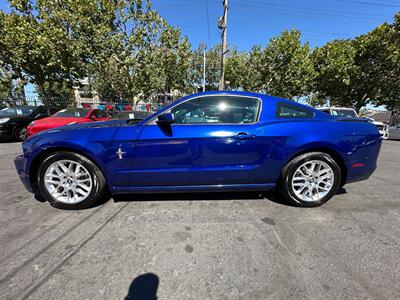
[
  {"x": 222, "y": 24},
  {"x": 204, "y": 70}
]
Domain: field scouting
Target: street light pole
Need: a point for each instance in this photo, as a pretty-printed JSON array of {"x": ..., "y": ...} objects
[
  {"x": 222, "y": 24},
  {"x": 204, "y": 70}
]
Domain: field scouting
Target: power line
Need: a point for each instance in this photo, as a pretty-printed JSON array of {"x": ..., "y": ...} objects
[
  {"x": 370, "y": 3},
  {"x": 208, "y": 23},
  {"x": 287, "y": 9}
]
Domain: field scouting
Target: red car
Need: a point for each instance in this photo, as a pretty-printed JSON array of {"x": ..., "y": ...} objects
[{"x": 66, "y": 117}]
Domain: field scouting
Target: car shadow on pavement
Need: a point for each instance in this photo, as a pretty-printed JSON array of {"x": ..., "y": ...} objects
[{"x": 143, "y": 287}]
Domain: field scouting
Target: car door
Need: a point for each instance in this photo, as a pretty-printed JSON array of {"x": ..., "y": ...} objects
[{"x": 214, "y": 140}]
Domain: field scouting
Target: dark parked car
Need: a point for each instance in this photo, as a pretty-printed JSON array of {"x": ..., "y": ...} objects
[{"x": 14, "y": 120}]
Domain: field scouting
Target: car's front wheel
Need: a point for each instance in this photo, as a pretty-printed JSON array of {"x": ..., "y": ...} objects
[
  {"x": 20, "y": 133},
  {"x": 69, "y": 180},
  {"x": 310, "y": 179}
]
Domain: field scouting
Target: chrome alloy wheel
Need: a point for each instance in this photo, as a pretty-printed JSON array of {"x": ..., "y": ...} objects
[
  {"x": 313, "y": 180},
  {"x": 68, "y": 181}
]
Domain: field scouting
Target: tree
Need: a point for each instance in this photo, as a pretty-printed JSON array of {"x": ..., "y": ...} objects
[
  {"x": 244, "y": 70},
  {"x": 11, "y": 87},
  {"x": 236, "y": 70},
  {"x": 6, "y": 88},
  {"x": 356, "y": 72},
  {"x": 54, "y": 41},
  {"x": 175, "y": 58},
  {"x": 378, "y": 58},
  {"x": 336, "y": 73},
  {"x": 286, "y": 66},
  {"x": 146, "y": 56},
  {"x": 213, "y": 67}
]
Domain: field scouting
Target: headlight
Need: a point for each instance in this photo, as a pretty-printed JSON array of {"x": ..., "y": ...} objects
[{"x": 4, "y": 120}]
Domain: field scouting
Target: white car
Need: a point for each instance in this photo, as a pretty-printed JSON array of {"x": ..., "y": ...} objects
[
  {"x": 350, "y": 112},
  {"x": 394, "y": 133}
]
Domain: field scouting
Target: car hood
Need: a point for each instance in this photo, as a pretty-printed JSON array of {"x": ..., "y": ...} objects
[
  {"x": 102, "y": 124},
  {"x": 58, "y": 121}
]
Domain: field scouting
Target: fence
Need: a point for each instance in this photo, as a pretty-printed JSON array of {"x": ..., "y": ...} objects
[{"x": 109, "y": 105}]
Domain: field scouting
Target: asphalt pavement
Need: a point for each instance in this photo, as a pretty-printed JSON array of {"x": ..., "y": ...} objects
[{"x": 204, "y": 246}]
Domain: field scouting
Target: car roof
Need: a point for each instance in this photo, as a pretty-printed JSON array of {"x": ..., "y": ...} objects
[{"x": 266, "y": 100}]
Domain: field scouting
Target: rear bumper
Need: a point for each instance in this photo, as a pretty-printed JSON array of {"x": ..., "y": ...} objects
[
  {"x": 20, "y": 165},
  {"x": 364, "y": 175},
  {"x": 364, "y": 161}
]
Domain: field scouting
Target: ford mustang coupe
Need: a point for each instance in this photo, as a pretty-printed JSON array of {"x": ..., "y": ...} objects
[{"x": 214, "y": 141}]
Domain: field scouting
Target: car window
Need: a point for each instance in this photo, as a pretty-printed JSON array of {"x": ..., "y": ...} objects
[
  {"x": 102, "y": 114},
  {"x": 293, "y": 111},
  {"x": 95, "y": 114},
  {"x": 344, "y": 112},
  {"x": 99, "y": 114},
  {"x": 18, "y": 111},
  {"x": 72, "y": 112},
  {"x": 217, "y": 109}
]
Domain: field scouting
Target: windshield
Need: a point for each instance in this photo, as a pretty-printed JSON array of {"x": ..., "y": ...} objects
[
  {"x": 17, "y": 111},
  {"x": 344, "y": 113},
  {"x": 73, "y": 112}
]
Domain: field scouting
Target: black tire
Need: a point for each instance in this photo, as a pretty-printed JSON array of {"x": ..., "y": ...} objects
[
  {"x": 20, "y": 133},
  {"x": 99, "y": 190},
  {"x": 285, "y": 183}
]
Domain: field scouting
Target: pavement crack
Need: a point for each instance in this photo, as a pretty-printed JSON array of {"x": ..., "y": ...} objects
[
  {"x": 10, "y": 274},
  {"x": 73, "y": 253},
  {"x": 16, "y": 251}
]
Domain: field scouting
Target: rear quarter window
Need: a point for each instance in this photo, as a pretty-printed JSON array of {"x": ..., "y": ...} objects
[{"x": 292, "y": 111}]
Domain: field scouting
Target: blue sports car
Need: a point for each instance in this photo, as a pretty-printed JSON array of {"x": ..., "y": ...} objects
[{"x": 213, "y": 141}]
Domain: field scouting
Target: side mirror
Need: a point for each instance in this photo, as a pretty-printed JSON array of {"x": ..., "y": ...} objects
[{"x": 165, "y": 119}]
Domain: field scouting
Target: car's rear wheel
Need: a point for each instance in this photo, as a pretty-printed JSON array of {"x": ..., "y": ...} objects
[
  {"x": 69, "y": 180},
  {"x": 20, "y": 133},
  {"x": 310, "y": 179}
]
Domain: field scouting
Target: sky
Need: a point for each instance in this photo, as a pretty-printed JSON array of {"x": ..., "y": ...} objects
[{"x": 254, "y": 22}]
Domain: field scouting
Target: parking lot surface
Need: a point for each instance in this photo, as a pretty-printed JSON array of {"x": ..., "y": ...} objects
[{"x": 204, "y": 246}]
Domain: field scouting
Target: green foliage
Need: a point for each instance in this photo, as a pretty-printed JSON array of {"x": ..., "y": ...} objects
[
  {"x": 336, "y": 72},
  {"x": 50, "y": 41},
  {"x": 365, "y": 70},
  {"x": 283, "y": 68},
  {"x": 288, "y": 69},
  {"x": 9, "y": 87},
  {"x": 213, "y": 67},
  {"x": 128, "y": 51},
  {"x": 6, "y": 88},
  {"x": 145, "y": 56}
]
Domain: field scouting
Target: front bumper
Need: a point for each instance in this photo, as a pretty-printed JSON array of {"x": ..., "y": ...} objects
[
  {"x": 6, "y": 131},
  {"x": 384, "y": 134},
  {"x": 20, "y": 165}
]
